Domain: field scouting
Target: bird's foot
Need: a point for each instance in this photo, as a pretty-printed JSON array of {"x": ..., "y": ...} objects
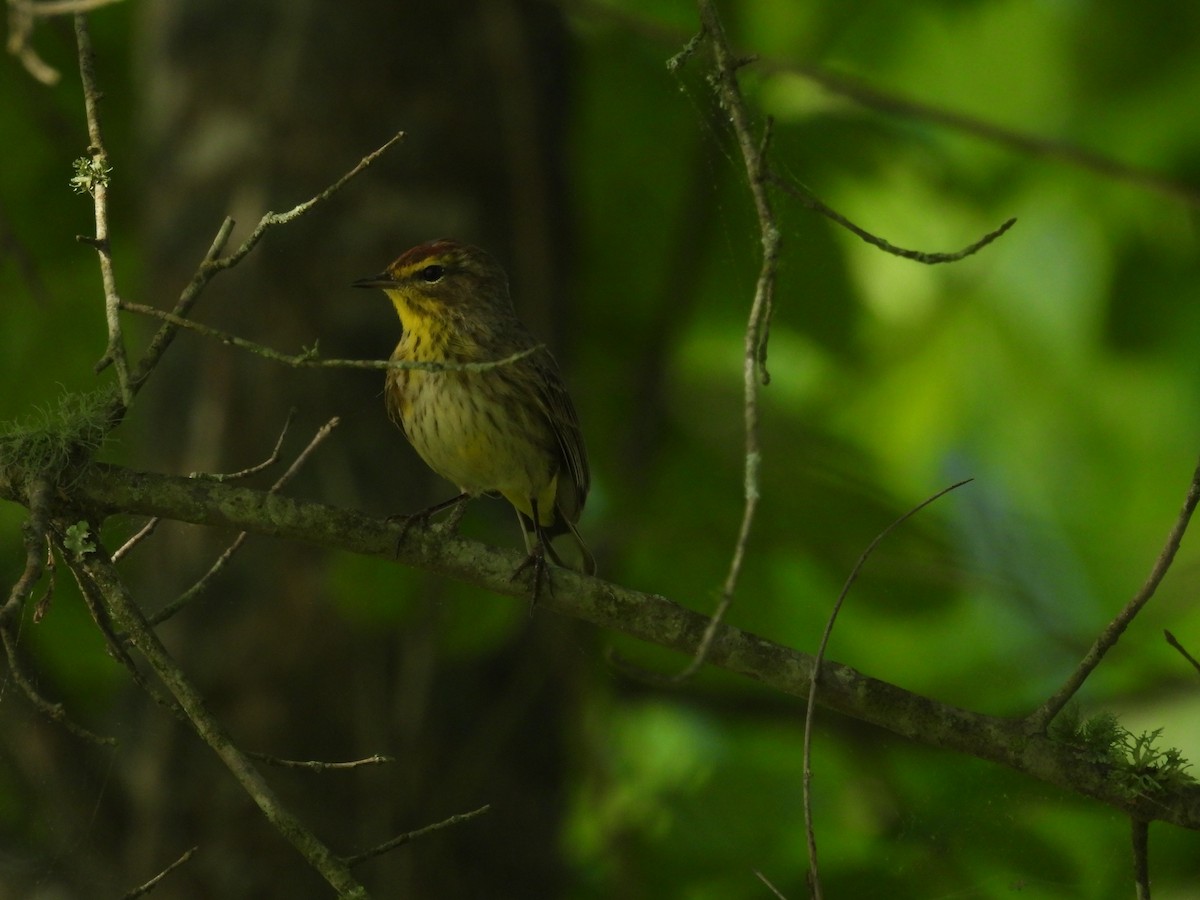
[
  {"x": 456, "y": 505},
  {"x": 541, "y": 573}
]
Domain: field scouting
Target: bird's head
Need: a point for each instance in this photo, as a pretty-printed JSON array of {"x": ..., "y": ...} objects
[{"x": 442, "y": 277}]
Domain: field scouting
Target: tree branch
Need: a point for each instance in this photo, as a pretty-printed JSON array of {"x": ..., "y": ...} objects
[
  {"x": 96, "y": 567},
  {"x": 106, "y": 489},
  {"x": 97, "y": 186}
]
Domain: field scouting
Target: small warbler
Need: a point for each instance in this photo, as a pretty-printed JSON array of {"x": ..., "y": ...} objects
[{"x": 508, "y": 428}]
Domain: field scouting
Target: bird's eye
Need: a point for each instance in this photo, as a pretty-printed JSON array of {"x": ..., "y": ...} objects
[{"x": 432, "y": 274}]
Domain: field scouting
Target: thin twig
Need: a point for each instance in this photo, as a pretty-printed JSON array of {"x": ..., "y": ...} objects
[
  {"x": 814, "y": 877},
  {"x": 223, "y": 560},
  {"x": 125, "y": 613},
  {"x": 34, "y": 530},
  {"x": 754, "y": 369},
  {"x": 142, "y": 533},
  {"x": 114, "y": 354},
  {"x": 20, "y": 33},
  {"x": 271, "y": 459},
  {"x": 774, "y": 890},
  {"x": 1107, "y": 639},
  {"x": 402, "y": 839},
  {"x": 1174, "y": 642},
  {"x": 308, "y": 359},
  {"x": 1140, "y": 836},
  {"x": 271, "y": 219},
  {"x": 921, "y": 256},
  {"x": 150, "y": 885},
  {"x": 56, "y": 712},
  {"x": 314, "y": 765}
]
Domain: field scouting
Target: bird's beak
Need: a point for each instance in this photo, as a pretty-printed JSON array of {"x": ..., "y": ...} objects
[{"x": 382, "y": 280}]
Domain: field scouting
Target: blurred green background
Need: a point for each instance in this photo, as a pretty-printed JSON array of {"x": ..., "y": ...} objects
[{"x": 1059, "y": 367}]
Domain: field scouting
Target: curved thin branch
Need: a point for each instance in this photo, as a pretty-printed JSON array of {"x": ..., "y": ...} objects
[
  {"x": 813, "y": 871},
  {"x": 921, "y": 256}
]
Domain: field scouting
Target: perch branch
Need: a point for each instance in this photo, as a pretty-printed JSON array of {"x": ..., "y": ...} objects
[{"x": 107, "y": 489}]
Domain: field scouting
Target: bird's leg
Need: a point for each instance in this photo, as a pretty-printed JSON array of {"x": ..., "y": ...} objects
[
  {"x": 457, "y": 506},
  {"x": 538, "y": 548}
]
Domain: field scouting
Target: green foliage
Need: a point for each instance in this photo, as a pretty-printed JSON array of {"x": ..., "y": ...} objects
[
  {"x": 79, "y": 539},
  {"x": 1133, "y": 760},
  {"x": 90, "y": 173}
]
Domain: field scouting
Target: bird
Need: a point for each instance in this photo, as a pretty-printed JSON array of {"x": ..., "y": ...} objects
[{"x": 480, "y": 400}]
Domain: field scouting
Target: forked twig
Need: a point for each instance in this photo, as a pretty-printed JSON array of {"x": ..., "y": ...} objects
[
  {"x": 151, "y": 526},
  {"x": 223, "y": 560}
]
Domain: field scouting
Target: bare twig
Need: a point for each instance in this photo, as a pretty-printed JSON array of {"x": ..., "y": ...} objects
[
  {"x": 754, "y": 368},
  {"x": 99, "y": 568},
  {"x": 1174, "y": 642},
  {"x": 98, "y": 187},
  {"x": 402, "y": 839},
  {"x": 143, "y": 889},
  {"x": 308, "y": 359},
  {"x": 223, "y": 560},
  {"x": 53, "y": 711},
  {"x": 814, "y": 877},
  {"x": 1038, "y": 721},
  {"x": 774, "y": 890},
  {"x": 920, "y": 256},
  {"x": 34, "y": 530},
  {"x": 20, "y": 30},
  {"x": 140, "y": 535},
  {"x": 1140, "y": 835},
  {"x": 271, "y": 219},
  {"x": 314, "y": 765}
]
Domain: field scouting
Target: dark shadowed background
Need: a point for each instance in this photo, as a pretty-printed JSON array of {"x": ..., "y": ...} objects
[{"x": 1060, "y": 367}]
